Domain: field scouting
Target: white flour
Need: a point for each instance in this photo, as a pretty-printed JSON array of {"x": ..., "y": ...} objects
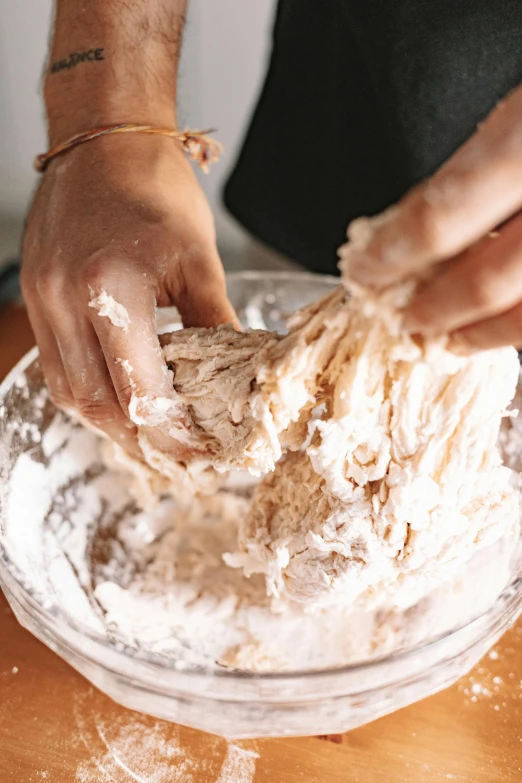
[
  {"x": 108, "y": 307},
  {"x": 239, "y": 765},
  {"x": 158, "y": 582},
  {"x": 130, "y": 748}
]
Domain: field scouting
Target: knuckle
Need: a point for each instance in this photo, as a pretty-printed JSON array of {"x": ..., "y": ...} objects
[
  {"x": 98, "y": 411},
  {"x": 93, "y": 274},
  {"x": 97, "y": 271},
  {"x": 49, "y": 283}
]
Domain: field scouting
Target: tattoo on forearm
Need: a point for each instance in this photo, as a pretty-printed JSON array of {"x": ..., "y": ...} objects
[{"x": 75, "y": 58}]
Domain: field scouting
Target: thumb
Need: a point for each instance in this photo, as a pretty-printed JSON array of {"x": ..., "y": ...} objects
[{"x": 203, "y": 300}]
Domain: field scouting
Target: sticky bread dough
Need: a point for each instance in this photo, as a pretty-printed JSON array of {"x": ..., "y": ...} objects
[
  {"x": 247, "y": 396},
  {"x": 244, "y": 391},
  {"x": 158, "y": 475},
  {"x": 401, "y": 481},
  {"x": 386, "y": 492},
  {"x": 184, "y": 602}
]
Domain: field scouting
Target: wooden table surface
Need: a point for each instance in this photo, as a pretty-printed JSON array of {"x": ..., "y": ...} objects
[{"x": 55, "y": 727}]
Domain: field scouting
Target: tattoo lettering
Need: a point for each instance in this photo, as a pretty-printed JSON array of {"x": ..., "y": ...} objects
[{"x": 75, "y": 58}]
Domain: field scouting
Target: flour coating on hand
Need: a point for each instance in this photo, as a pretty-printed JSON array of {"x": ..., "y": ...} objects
[{"x": 108, "y": 307}]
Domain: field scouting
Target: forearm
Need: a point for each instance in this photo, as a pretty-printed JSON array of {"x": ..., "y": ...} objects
[{"x": 113, "y": 61}]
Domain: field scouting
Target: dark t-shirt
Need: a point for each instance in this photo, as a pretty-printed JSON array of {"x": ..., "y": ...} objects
[{"x": 363, "y": 99}]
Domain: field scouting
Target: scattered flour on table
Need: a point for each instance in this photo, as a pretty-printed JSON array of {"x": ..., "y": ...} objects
[
  {"x": 239, "y": 765},
  {"x": 136, "y": 749}
]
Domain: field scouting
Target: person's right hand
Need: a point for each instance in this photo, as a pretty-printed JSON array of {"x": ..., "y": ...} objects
[
  {"x": 122, "y": 214},
  {"x": 460, "y": 232}
]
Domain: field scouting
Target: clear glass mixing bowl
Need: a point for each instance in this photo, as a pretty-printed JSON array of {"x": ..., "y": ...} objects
[{"x": 223, "y": 701}]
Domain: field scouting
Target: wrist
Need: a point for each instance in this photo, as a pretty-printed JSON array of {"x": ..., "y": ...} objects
[
  {"x": 73, "y": 106},
  {"x": 67, "y": 117},
  {"x": 119, "y": 160}
]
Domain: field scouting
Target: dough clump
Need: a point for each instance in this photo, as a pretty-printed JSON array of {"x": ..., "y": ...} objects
[
  {"x": 401, "y": 481},
  {"x": 381, "y": 475},
  {"x": 246, "y": 395}
]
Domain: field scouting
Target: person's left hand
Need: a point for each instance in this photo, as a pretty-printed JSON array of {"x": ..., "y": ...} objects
[{"x": 476, "y": 295}]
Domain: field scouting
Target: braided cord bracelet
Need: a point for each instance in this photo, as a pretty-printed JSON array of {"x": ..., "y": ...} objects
[{"x": 197, "y": 144}]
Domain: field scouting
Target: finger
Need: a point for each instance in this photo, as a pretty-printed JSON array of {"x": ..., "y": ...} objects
[
  {"x": 93, "y": 394},
  {"x": 50, "y": 358},
  {"x": 477, "y": 189},
  {"x": 496, "y": 332},
  {"x": 484, "y": 281},
  {"x": 202, "y": 297},
  {"x": 123, "y": 315}
]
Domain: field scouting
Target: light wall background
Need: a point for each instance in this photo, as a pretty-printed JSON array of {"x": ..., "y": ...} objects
[{"x": 224, "y": 59}]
